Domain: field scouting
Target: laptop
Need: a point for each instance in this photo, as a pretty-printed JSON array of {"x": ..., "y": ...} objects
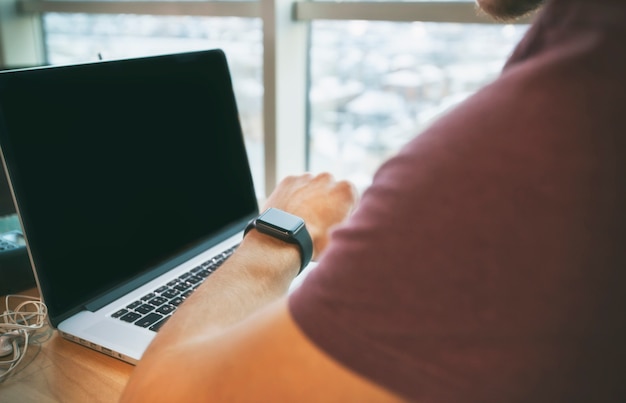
[{"x": 132, "y": 184}]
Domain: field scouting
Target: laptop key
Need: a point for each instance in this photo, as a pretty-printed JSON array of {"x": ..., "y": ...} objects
[
  {"x": 203, "y": 273},
  {"x": 157, "y": 301},
  {"x": 187, "y": 294},
  {"x": 182, "y": 286},
  {"x": 149, "y": 319},
  {"x": 145, "y": 308},
  {"x": 119, "y": 313},
  {"x": 130, "y": 317},
  {"x": 166, "y": 309},
  {"x": 195, "y": 279},
  {"x": 148, "y": 296},
  {"x": 176, "y": 301},
  {"x": 170, "y": 293},
  {"x": 134, "y": 305},
  {"x": 158, "y": 325},
  {"x": 161, "y": 289}
]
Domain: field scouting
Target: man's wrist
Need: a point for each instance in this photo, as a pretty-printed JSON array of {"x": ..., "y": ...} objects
[
  {"x": 272, "y": 253},
  {"x": 287, "y": 228}
]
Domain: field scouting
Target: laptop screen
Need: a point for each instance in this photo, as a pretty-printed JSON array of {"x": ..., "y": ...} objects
[{"x": 119, "y": 167}]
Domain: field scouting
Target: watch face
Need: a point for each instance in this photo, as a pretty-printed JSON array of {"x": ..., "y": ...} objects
[{"x": 280, "y": 221}]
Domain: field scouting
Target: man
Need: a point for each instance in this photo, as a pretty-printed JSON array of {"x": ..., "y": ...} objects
[{"x": 486, "y": 263}]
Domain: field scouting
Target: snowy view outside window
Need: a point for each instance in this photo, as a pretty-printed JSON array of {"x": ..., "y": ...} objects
[{"x": 374, "y": 85}]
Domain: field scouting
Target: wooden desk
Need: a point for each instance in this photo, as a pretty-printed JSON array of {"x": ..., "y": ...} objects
[{"x": 58, "y": 370}]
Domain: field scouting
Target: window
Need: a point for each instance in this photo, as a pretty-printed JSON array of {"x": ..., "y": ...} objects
[
  {"x": 378, "y": 73},
  {"x": 377, "y": 84}
]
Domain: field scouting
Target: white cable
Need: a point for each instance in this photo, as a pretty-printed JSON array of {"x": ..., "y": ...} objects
[{"x": 17, "y": 326}]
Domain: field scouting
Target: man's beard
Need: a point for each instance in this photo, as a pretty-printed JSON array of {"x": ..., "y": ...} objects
[{"x": 508, "y": 9}]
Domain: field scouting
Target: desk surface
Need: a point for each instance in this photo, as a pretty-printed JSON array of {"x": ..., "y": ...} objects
[{"x": 57, "y": 370}]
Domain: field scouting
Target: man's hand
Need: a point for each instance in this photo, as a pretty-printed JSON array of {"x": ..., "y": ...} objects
[{"x": 320, "y": 200}]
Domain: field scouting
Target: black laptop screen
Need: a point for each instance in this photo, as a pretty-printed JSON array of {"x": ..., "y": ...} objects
[{"x": 119, "y": 166}]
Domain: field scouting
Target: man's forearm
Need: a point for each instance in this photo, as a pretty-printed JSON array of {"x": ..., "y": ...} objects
[{"x": 256, "y": 274}]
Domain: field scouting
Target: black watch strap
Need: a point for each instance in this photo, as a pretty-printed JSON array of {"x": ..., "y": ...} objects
[{"x": 286, "y": 227}]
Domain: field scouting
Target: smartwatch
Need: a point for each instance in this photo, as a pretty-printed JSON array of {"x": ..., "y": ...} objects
[{"x": 286, "y": 227}]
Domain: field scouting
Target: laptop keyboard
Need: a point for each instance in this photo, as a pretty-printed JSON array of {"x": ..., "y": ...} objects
[{"x": 155, "y": 308}]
